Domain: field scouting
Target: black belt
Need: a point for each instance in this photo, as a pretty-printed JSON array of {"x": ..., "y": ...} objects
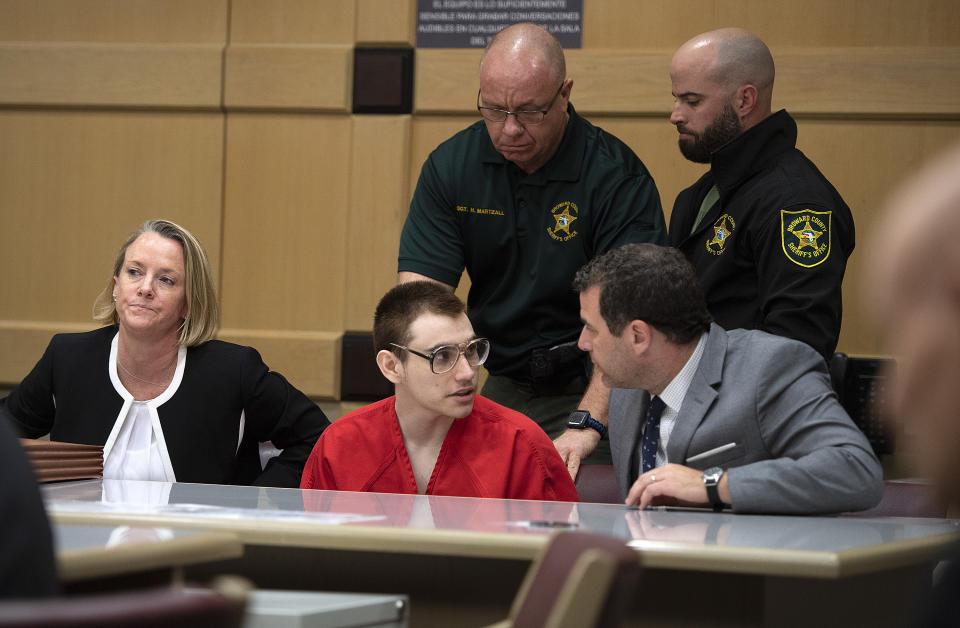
[{"x": 552, "y": 369}]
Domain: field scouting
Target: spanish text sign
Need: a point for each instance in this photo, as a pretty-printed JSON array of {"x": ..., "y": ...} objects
[{"x": 471, "y": 23}]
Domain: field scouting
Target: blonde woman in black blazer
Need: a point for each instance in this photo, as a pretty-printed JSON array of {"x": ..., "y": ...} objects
[{"x": 166, "y": 400}]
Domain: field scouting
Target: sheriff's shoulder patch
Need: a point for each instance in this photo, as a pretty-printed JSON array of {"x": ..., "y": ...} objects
[{"x": 805, "y": 236}]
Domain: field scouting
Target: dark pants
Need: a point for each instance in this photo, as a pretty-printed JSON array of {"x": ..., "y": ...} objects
[{"x": 550, "y": 412}]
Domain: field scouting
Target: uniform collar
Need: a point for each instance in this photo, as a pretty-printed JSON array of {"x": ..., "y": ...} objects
[
  {"x": 751, "y": 151},
  {"x": 566, "y": 163}
]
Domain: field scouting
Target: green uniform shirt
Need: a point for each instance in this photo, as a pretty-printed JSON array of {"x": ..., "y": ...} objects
[{"x": 522, "y": 237}]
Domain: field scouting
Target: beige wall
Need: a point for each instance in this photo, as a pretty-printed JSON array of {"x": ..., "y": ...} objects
[{"x": 232, "y": 117}]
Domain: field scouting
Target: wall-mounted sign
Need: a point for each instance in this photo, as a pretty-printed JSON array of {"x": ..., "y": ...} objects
[{"x": 471, "y": 23}]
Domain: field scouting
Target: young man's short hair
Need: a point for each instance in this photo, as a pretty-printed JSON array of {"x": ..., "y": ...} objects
[{"x": 403, "y": 304}]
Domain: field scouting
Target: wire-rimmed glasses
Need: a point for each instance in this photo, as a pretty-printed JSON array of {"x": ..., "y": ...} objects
[
  {"x": 492, "y": 114},
  {"x": 444, "y": 357}
]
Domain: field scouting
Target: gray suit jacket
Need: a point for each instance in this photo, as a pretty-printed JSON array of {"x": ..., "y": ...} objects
[{"x": 796, "y": 449}]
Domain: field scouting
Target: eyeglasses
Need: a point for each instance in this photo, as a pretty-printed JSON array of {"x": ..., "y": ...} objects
[
  {"x": 491, "y": 114},
  {"x": 445, "y": 357}
]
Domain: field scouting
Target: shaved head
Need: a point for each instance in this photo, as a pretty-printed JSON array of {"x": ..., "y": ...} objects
[
  {"x": 734, "y": 57},
  {"x": 530, "y": 45},
  {"x": 722, "y": 84}
]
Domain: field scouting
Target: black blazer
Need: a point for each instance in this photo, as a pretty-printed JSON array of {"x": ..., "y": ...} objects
[{"x": 71, "y": 395}]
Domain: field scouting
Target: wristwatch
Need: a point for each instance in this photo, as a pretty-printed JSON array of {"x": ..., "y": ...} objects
[
  {"x": 581, "y": 420},
  {"x": 711, "y": 478}
]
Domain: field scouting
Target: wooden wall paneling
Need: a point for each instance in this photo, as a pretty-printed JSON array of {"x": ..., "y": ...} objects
[
  {"x": 284, "y": 237},
  {"x": 118, "y": 75},
  {"x": 22, "y": 343},
  {"x": 292, "y": 22},
  {"x": 872, "y": 82},
  {"x": 73, "y": 185},
  {"x": 304, "y": 77},
  {"x": 652, "y": 24},
  {"x": 869, "y": 82},
  {"x": 865, "y": 160},
  {"x": 445, "y": 80},
  {"x": 114, "y": 21},
  {"x": 386, "y": 22},
  {"x": 637, "y": 83},
  {"x": 287, "y": 186},
  {"x": 310, "y": 360},
  {"x": 379, "y": 176}
]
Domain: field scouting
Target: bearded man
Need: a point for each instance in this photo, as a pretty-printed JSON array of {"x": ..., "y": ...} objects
[{"x": 766, "y": 232}]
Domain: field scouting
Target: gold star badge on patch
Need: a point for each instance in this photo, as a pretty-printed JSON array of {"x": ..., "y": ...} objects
[
  {"x": 807, "y": 236},
  {"x": 564, "y": 220},
  {"x": 722, "y": 231}
]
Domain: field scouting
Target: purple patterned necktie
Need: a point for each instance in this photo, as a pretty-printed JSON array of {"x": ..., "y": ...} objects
[{"x": 651, "y": 434}]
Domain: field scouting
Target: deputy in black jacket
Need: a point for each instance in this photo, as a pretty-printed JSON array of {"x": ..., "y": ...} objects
[{"x": 768, "y": 235}]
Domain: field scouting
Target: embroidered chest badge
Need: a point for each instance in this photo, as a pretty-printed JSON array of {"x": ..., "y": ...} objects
[
  {"x": 564, "y": 215},
  {"x": 722, "y": 230},
  {"x": 805, "y": 236}
]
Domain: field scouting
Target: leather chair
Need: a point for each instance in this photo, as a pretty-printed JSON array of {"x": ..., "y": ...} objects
[
  {"x": 580, "y": 580},
  {"x": 906, "y": 498},
  {"x": 597, "y": 483},
  {"x": 219, "y": 606},
  {"x": 860, "y": 386}
]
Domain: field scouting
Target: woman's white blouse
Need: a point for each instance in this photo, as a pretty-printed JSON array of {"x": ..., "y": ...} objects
[{"x": 136, "y": 449}]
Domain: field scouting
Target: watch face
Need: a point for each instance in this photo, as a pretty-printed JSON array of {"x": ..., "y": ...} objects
[
  {"x": 578, "y": 419},
  {"x": 712, "y": 475}
]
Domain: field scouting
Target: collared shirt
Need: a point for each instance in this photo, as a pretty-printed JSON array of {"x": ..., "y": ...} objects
[
  {"x": 672, "y": 397},
  {"x": 475, "y": 210}
]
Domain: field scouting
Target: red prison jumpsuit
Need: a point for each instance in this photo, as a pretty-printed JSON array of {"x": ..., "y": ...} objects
[{"x": 492, "y": 452}]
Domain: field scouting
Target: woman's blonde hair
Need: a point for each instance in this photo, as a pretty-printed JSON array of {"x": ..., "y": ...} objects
[{"x": 202, "y": 320}]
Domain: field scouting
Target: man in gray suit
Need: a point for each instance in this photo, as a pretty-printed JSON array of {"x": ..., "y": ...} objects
[{"x": 740, "y": 419}]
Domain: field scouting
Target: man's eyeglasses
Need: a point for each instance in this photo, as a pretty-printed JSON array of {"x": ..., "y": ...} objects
[
  {"x": 444, "y": 358},
  {"x": 491, "y": 114}
]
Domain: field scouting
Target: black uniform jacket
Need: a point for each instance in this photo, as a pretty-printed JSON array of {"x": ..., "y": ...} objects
[
  {"x": 772, "y": 251},
  {"x": 226, "y": 390}
]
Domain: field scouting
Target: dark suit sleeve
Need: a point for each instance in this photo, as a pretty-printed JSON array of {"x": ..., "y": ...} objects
[
  {"x": 819, "y": 461},
  {"x": 27, "y": 567},
  {"x": 278, "y": 412},
  {"x": 800, "y": 297},
  {"x": 30, "y": 406}
]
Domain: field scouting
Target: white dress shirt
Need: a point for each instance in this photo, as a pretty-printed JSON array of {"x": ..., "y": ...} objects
[{"x": 672, "y": 397}]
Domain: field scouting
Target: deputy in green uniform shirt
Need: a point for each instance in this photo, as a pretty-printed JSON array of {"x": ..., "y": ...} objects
[{"x": 522, "y": 200}]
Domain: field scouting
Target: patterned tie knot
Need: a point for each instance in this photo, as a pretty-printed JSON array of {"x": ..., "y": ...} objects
[{"x": 654, "y": 410}]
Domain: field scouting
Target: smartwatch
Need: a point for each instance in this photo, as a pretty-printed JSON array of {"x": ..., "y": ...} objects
[
  {"x": 711, "y": 478},
  {"x": 581, "y": 420}
]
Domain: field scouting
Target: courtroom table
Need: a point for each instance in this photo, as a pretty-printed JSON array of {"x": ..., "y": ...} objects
[
  {"x": 100, "y": 557},
  {"x": 461, "y": 559}
]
